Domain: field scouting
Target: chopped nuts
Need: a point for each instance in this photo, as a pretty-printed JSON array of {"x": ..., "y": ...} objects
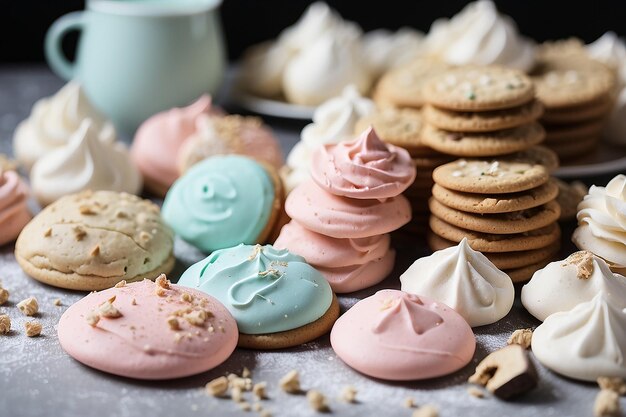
[
  {"x": 48, "y": 232},
  {"x": 522, "y": 337},
  {"x": 243, "y": 383},
  {"x": 160, "y": 291},
  {"x": 186, "y": 297},
  {"x": 349, "y": 394},
  {"x": 290, "y": 382},
  {"x": 259, "y": 390},
  {"x": 196, "y": 317},
  {"x": 57, "y": 302},
  {"x": 475, "y": 392},
  {"x": 86, "y": 210},
  {"x": 33, "y": 328},
  {"x": 607, "y": 404},
  {"x": 246, "y": 373},
  {"x": 426, "y": 411},
  {"x": 173, "y": 323},
  {"x": 316, "y": 400},
  {"x": 409, "y": 402},
  {"x": 79, "y": 233},
  {"x": 92, "y": 318},
  {"x": 615, "y": 384},
  {"x": 121, "y": 284},
  {"x": 163, "y": 282},
  {"x": 236, "y": 394},
  {"x": 217, "y": 387},
  {"x": 5, "y": 324},
  {"x": 29, "y": 306},
  {"x": 95, "y": 251},
  {"x": 584, "y": 263},
  {"x": 4, "y": 296},
  {"x": 108, "y": 310}
]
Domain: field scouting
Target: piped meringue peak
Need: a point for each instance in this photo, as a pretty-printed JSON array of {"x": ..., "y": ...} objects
[
  {"x": 365, "y": 168},
  {"x": 463, "y": 279},
  {"x": 562, "y": 285},
  {"x": 408, "y": 337},
  {"x": 602, "y": 222},
  {"x": 586, "y": 342}
]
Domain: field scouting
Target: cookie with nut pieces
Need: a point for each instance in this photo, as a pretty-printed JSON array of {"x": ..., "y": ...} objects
[{"x": 92, "y": 240}]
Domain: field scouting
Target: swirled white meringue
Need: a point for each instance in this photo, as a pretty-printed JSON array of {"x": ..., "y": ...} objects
[{"x": 385, "y": 50}]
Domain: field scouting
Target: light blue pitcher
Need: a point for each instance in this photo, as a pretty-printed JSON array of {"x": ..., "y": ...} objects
[{"x": 138, "y": 57}]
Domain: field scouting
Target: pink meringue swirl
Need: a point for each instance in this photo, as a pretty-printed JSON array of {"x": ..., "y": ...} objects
[
  {"x": 14, "y": 214},
  {"x": 365, "y": 168}
]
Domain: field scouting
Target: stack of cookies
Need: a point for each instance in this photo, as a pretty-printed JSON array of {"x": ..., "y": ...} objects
[
  {"x": 576, "y": 93},
  {"x": 505, "y": 207},
  {"x": 481, "y": 112},
  {"x": 402, "y": 127}
]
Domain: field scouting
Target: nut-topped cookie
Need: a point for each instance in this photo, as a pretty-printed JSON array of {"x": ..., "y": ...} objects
[
  {"x": 92, "y": 240},
  {"x": 490, "y": 177},
  {"x": 399, "y": 127},
  {"x": 479, "y": 89}
]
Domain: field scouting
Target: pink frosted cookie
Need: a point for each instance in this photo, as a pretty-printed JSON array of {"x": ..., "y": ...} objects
[
  {"x": 158, "y": 141},
  {"x": 364, "y": 168},
  {"x": 398, "y": 336},
  {"x": 341, "y": 217},
  {"x": 14, "y": 213},
  {"x": 149, "y": 330},
  {"x": 347, "y": 264}
]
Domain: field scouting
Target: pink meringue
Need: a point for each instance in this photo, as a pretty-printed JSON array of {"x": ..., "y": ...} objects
[
  {"x": 398, "y": 336},
  {"x": 363, "y": 168},
  {"x": 158, "y": 141},
  {"x": 14, "y": 213},
  {"x": 341, "y": 217},
  {"x": 347, "y": 264}
]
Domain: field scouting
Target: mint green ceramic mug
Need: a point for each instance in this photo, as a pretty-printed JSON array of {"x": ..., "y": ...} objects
[{"x": 138, "y": 57}]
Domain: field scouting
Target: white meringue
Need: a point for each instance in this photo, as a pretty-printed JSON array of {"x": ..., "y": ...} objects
[
  {"x": 602, "y": 222},
  {"x": 53, "y": 120},
  {"x": 322, "y": 70},
  {"x": 263, "y": 68},
  {"x": 562, "y": 285},
  {"x": 84, "y": 163},
  {"x": 611, "y": 50},
  {"x": 463, "y": 279},
  {"x": 586, "y": 342},
  {"x": 480, "y": 35},
  {"x": 384, "y": 49},
  {"x": 333, "y": 122}
]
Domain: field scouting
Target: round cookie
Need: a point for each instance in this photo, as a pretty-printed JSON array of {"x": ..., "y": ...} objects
[
  {"x": 496, "y": 203},
  {"x": 223, "y": 201},
  {"x": 402, "y": 86},
  {"x": 537, "y": 155},
  {"x": 408, "y": 337},
  {"x": 567, "y": 81},
  {"x": 526, "y": 272},
  {"x": 569, "y": 196},
  {"x": 502, "y": 260},
  {"x": 499, "y": 223},
  {"x": 148, "y": 330},
  {"x": 576, "y": 114},
  {"x": 571, "y": 132},
  {"x": 486, "y": 121},
  {"x": 489, "y": 242},
  {"x": 92, "y": 240},
  {"x": 277, "y": 298},
  {"x": 483, "y": 144},
  {"x": 490, "y": 177},
  {"x": 429, "y": 163},
  {"x": 577, "y": 148},
  {"x": 479, "y": 89}
]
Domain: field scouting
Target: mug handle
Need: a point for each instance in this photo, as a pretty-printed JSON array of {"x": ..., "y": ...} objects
[{"x": 54, "y": 37}]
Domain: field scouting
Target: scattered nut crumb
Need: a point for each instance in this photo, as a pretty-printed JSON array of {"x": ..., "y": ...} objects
[
  {"x": 186, "y": 297},
  {"x": 217, "y": 387},
  {"x": 349, "y": 394},
  {"x": 121, "y": 284},
  {"x": 606, "y": 404},
  {"x": 236, "y": 394},
  {"x": 121, "y": 214},
  {"x": 259, "y": 390},
  {"x": 409, "y": 402},
  {"x": 33, "y": 328},
  {"x": 245, "y": 406},
  {"x": 5, "y": 324},
  {"x": 522, "y": 337},
  {"x": 57, "y": 302},
  {"x": 290, "y": 382},
  {"x": 29, "y": 306},
  {"x": 145, "y": 236},
  {"x": 4, "y": 296},
  {"x": 196, "y": 317},
  {"x": 86, "y": 210},
  {"x": 316, "y": 400},
  {"x": 584, "y": 263},
  {"x": 163, "y": 282},
  {"x": 615, "y": 384},
  {"x": 92, "y": 318},
  {"x": 244, "y": 383},
  {"x": 160, "y": 291},
  {"x": 426, "y": 411},
  {"x": 173, "y": 323},
  {"x": 48, "y": 232},
  {"x": 79, "y": 233},
  {"x": 245, "y": 373},
  {"x": 133, "y": 302},
  {"x": 475, "y": 392},
  {"x": 265, "y": 413},
  {"x": 108, "y": 310}
]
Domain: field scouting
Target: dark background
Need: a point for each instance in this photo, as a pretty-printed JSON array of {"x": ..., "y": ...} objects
[{"x": 23, "y": 23}]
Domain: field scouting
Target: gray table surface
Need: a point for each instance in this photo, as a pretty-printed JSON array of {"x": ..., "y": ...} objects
[{"x": 37, "y": 378}]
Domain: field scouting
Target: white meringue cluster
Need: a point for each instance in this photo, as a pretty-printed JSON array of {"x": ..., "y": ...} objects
[{"x": 313, "y": 60}]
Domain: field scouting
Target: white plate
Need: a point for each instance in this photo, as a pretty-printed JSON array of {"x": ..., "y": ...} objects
[
  {"x": 269, "y": 107},
  {"x": 605, "y": 160}
]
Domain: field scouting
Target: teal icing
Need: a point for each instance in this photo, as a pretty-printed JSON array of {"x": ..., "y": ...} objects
[
  {"x": 267, "y": 290},
  {"x": 220, "y": 202}
]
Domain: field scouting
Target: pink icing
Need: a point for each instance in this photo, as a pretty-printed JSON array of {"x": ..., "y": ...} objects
[
  {"x": 140, "y": 343},
  {"x": 14, "y": 213},
  {"x": 341, "y": 217},
  {"x": 364, "y": 168},
  {"x": 408, "y": 337},
  {"x": 347, "y": 264},
  {"x": 158, "y": 140}
]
